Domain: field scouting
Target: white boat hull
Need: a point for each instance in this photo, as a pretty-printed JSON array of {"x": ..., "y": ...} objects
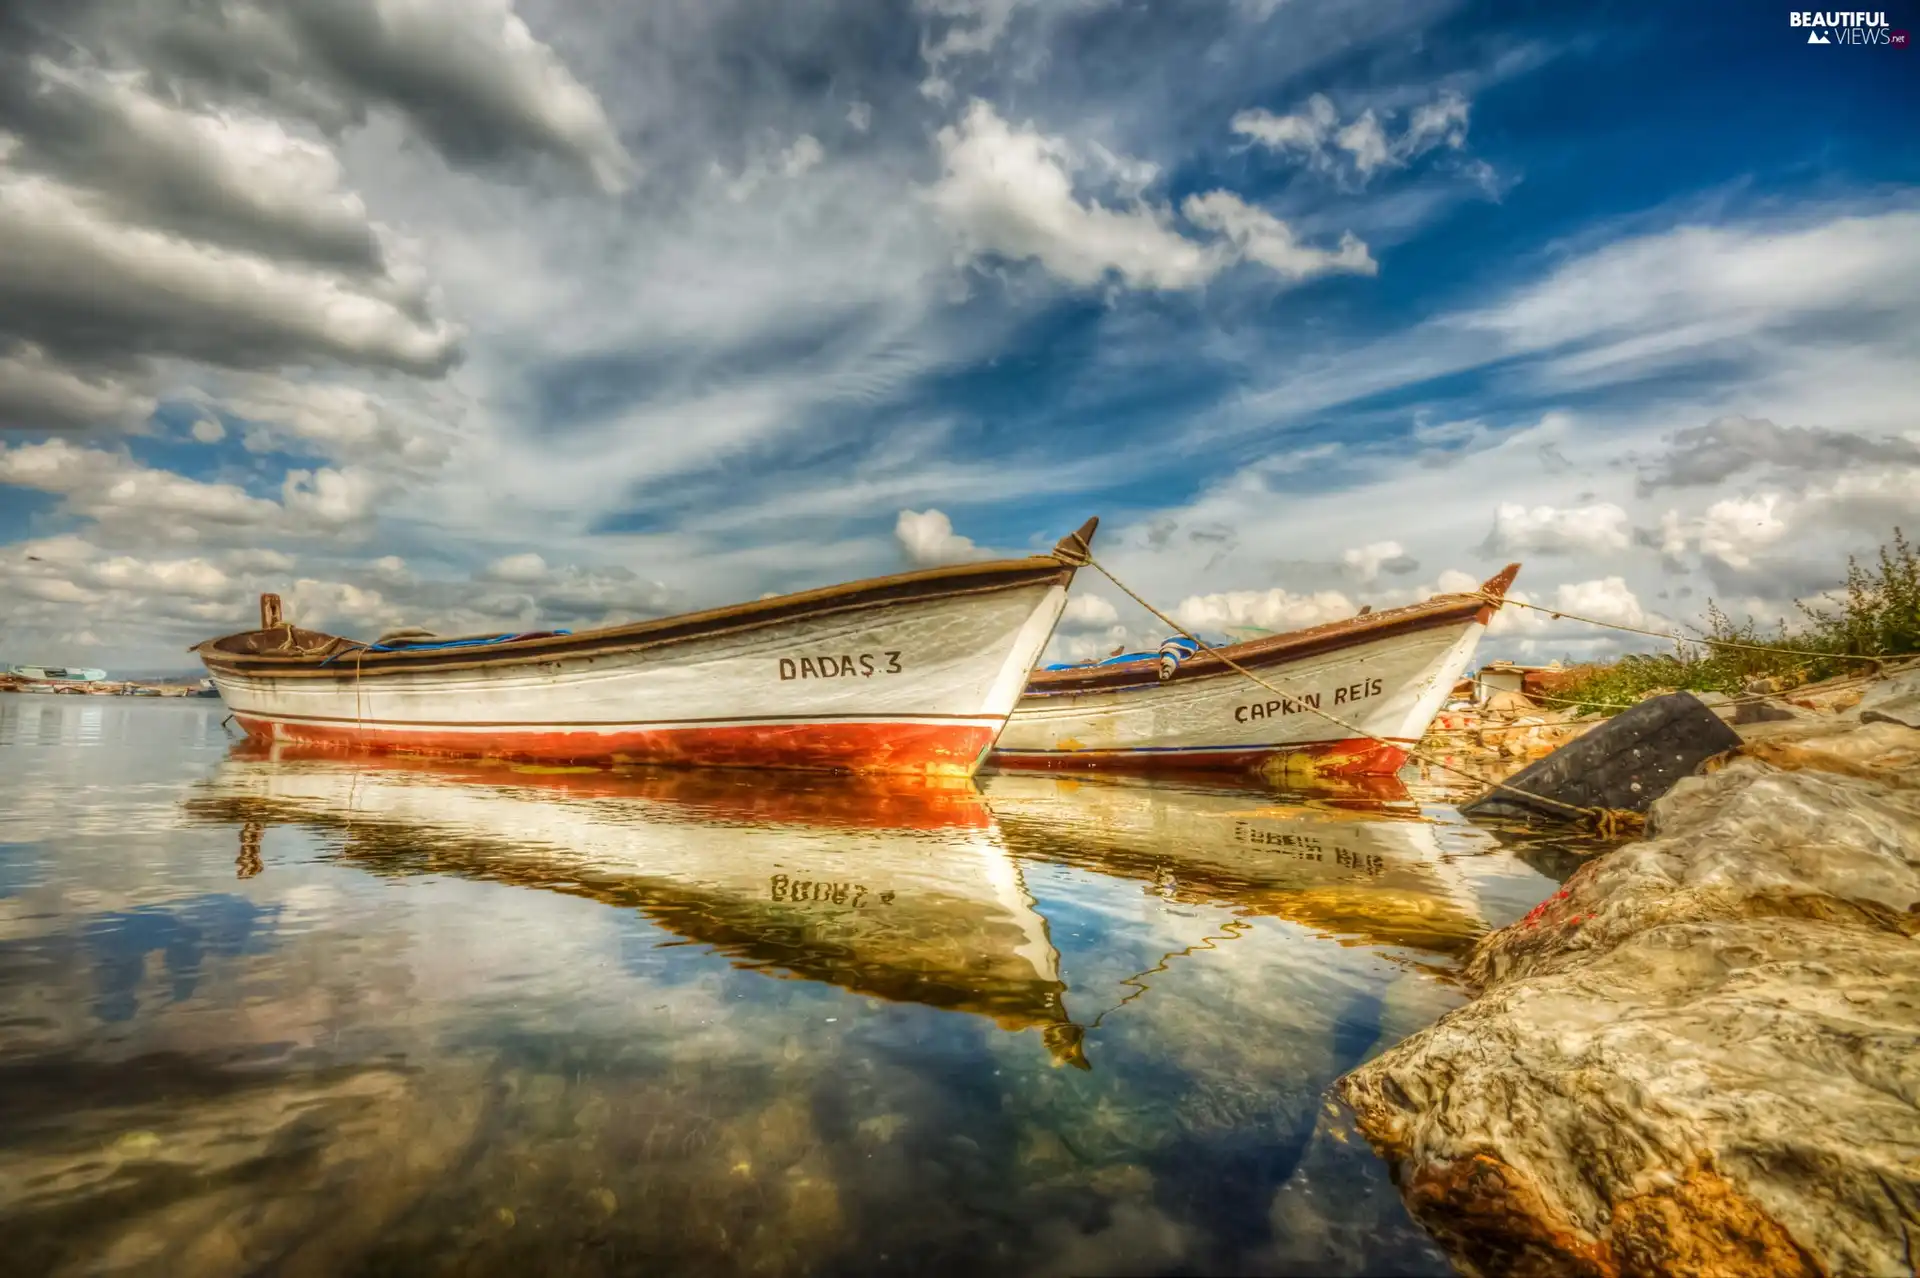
[
  {"x": 919, "y": 686},
  {"x": 1351, "y": 711}
]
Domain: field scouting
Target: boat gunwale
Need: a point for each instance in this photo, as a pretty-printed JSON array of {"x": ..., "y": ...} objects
[
  {"x": 910, "y": 587},
  {"x": 1271, "y": 650}
]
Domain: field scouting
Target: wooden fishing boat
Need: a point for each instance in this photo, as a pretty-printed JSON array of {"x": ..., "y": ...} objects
[
  {"x": 1384, "y": 673},
  {"x": 915, "y": 672},
  {"x": 896, "y": 888}
]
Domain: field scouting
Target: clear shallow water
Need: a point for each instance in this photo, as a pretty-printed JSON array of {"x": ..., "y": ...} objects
[{"x": 361, "y": 1017}]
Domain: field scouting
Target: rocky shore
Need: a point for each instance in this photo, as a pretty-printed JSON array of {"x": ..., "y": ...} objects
[{"x": 1702, "y": 1056}]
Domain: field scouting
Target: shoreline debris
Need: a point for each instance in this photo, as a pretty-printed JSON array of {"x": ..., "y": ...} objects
[{"x": 1625, "y": 762}]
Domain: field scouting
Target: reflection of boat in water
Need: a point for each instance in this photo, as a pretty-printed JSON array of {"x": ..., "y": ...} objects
[
  {"x": 885, "y": 888},
  {"x": 1350, "y": 863}
]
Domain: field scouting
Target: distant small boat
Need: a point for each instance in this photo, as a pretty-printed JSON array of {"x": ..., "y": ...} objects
[
  {"x": 1386, "y": 673},
  {"x": 57, "y": 674},
  {"x": 913, "y": 673}
]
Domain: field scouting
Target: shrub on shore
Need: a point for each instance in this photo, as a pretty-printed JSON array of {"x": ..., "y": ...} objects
[{"x": 1877, "y": 615}]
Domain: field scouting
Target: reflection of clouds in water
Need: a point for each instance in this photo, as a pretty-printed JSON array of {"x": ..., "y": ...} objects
[
  {"x": 583, "y": 1067},
  {"x": 185, "y": 935}
]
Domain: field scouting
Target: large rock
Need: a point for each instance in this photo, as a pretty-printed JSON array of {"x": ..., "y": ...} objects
[
  {"x": 1895, "y": 700},
  {"x": 1702, "y": 1057}
]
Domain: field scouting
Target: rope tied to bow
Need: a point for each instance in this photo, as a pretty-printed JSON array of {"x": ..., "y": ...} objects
[{"x": 1879, "y": 662}]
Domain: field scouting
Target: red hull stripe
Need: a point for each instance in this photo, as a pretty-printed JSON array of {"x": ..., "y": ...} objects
[
  {"x": 1356, "y": 757},
  {"x": 879, "y": 803},
  {"x": 591, "y": 725},
  {"x": 854, "y": 747}
]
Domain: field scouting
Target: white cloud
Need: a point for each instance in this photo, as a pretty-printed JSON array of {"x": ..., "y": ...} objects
[
  {"x": 110, "y": 486},
  {"x": 1870, "y": 500},
  {"x": 1258, "y": 236},
  {"x": 1008, "y": 191},
  {"x": 1366, "y": 142},
  {"x": 497, "y": 56},
  {"x": 1313, "y": 133},
  {"x": 72, "y": 571},
  {"x": 1651, "y": 298},
  {"x": 38, "y": 393},
  {"x": 331, "y": 418},
  {"x": 973, "y": 26},
  {"x": 805, "y": 153},
  {"x": 207, "y": 430},
  {"x": 1604, "y": 599},
  {"x": 226, "y": 173},
  {"x": 1739, "y": 531},
  {"x": 1085, "y": 612},
  {"x": 860, "y": 117},
  {"x": 793, "y": 161},
  {"x": 251, "y": 560},
  {"x": 1305, "y": 131},
  {"x": 61, "y": 257},
  {"x": 139, "y": 503},
  {"x": 313, "y": 603},
  {"x": 1731, "y": 531},
  {"x": 1442, "y": 121},
  {"x": 1366, "y": 562},
  {"x": 1275, "y": 609},
  {"x": 468, "y": 74},
  {"x": 1600, "y": 528},
  {"x": 332, "y": 499},
  {"x": 195, "y": 578},
  {"x": 1082, "y": 646},
  {"x": 390, "y": 571},
  {"x": 525, "y": 568},
  {"x": 927, "y": 538}
]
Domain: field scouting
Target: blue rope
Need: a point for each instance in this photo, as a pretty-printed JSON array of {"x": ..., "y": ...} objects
[{"x": 483, "y": 642}]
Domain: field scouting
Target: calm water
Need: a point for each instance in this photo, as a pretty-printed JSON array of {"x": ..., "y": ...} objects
[{"x": 305, "y": 1016}]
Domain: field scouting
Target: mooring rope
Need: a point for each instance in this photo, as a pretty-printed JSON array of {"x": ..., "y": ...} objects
[
  {"x": 1558, "y": 613},
  {"x": 1233, "y": 929},
  {"x": 1609, "y": 823}
]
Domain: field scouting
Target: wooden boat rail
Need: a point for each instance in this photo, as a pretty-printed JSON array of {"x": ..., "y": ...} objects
[{"x": 281, "y": 650}]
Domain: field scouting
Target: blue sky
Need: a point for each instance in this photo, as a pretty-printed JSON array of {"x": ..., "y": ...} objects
[{"x": 474, "y": 315}]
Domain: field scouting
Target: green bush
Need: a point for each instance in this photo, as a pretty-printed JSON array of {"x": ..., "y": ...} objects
[{"x": 1879, "y": 617}]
